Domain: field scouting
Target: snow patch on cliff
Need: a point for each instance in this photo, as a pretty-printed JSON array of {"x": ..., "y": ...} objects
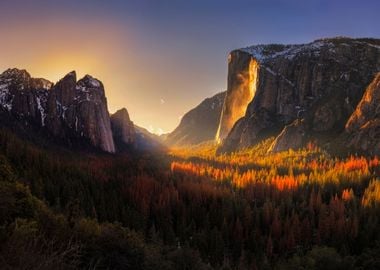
[
  {"x": 94, "y": 82},
  {"x": 5, "y": 97},
  {"x": 263, "y": 53},
  {"x": 374, "y": 46},
  {"x": 42, "y": 111}
]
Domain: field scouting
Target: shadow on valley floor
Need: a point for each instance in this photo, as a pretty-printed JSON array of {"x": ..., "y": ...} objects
[{"x": 94, "y": 211}]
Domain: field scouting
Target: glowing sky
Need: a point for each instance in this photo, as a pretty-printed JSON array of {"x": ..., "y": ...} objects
[{"x": 160, "y": 58}]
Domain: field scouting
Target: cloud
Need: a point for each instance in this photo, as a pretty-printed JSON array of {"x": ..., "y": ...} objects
[{"x": 162, "y": 101}]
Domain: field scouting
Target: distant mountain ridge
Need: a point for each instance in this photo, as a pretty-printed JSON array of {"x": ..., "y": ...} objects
[
  {"x": 199, "y": 124},
  {"x": 71, "y": 111}
]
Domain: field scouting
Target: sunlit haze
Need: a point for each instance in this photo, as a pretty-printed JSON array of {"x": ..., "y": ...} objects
[{"x": 159, "y": 59}]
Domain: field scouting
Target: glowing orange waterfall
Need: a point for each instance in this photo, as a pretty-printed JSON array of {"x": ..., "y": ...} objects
[{"x": 242, "y": 83}]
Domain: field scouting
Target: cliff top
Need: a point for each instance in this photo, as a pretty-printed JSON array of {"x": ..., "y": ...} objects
[{"x": 265, "y": 52}]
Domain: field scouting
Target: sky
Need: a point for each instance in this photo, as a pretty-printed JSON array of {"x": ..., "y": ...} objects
[{"x": 161, "y": 58}]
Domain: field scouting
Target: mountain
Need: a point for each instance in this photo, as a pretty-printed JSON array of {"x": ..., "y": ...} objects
[
  {"x": 123, "y": 129},
  {"x": 71, "y": 111},
  {"x": 146, "y": 140},
  {"x": 309, "y": 90},
  {"x": 78, "y": 109},
  {"x": 199, "y": 124},
  {"x": 127, "y": 135},
  {"x": 24, "y": 96}
]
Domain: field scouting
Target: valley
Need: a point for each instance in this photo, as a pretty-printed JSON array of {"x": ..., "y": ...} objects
[
  {"x": 187, "y": 208},
  {"x": 280, "y": 171}
]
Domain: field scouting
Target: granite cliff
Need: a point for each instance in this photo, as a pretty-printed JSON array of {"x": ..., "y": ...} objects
[
  {"x": 78, "y": 109},
  {"x": 318, "y": 84},
  {"x": 70, "y": 110}
]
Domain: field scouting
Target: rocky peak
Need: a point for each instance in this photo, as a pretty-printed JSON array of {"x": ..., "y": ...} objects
[
  {"x": 16, "y": 73},
  {"x": 20, "y": 79},
  {"x": 79, "y": 110},
  {"x": 64, "y": 89},
  {"x": 70, "y": 110},
  {"x": 69, "y": 78},
  {"x": 90, "y": 82},
  {"x": 122, "y": 127},
  {"x": 121, "y": 114},
  {"x": 22, "y": 95},
  {"x": 15, "y": 79}
]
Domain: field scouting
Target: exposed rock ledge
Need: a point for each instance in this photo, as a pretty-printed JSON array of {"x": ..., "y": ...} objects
[{"x": 364, "y": 124}]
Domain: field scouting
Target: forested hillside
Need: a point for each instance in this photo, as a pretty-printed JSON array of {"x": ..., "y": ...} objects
[{"x": 189, "y": 209}]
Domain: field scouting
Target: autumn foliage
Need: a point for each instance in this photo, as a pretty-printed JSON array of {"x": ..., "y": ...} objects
[
  {"x": 193, "y": 209},
  {"x": 303, "y": 197}
]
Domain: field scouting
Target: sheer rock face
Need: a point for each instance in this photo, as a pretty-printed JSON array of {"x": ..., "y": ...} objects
[
  {"x": 241, "y": 87},
  {"x": 24, "y": 96},
  {"x": 122, "y": 127},
  {"x": 198, "y": 125},
  {"x": 69, "y": 110},
  {"x": 79, "y": 110},
  {"x": 364, "y": 124},
  {"x": 320, "y": 82}
]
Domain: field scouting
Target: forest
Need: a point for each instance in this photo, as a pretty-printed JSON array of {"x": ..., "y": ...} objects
[{"x": 187, "y": 209}]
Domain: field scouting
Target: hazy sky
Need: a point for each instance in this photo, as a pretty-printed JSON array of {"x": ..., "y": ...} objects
[{"x": 161, "y": 58}]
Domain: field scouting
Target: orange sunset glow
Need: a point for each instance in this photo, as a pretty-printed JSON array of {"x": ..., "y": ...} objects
[
  {"x": 197, "y": 135},
  {"x": 108, "y": 50}
]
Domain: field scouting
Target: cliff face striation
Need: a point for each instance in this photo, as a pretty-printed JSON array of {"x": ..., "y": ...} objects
[
  {"x": 241, "y": 87},
  {"x": 199, "y": 124},
  {"x": 24, "y": 96},
  {"x": 363, "y": 126},
  {"x": 70, "y": 110},
  {"x": 320, "y": 83},
  {"x": 79, "y": 109}
]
